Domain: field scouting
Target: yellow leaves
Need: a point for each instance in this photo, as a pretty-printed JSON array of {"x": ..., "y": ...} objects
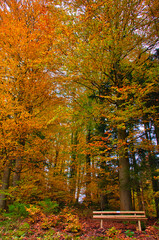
[
  {"x": 28, "y": 41},
  {"x": 27, "y": 37}
]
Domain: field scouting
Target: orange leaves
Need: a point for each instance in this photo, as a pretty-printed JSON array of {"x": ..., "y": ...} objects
[
  {"x": 28, "y": 38},
  {"x": 28, "y": 44}
]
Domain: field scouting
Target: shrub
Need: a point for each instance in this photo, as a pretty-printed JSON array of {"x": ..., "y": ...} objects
[
  {"x": 35, "y": 213},
  {"x": 17, "y": 210},
  {"x": 49, "y": 206},
  {"x": 70, "y": 221}
]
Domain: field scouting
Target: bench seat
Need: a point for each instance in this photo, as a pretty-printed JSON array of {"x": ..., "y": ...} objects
[{"x": 120, "y": 216}]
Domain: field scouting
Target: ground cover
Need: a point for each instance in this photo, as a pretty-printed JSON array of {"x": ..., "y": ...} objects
[{"x": 68, "y": 225}]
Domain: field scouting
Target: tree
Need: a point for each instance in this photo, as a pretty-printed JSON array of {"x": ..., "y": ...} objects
[
  {"x": 28, "y": 81},
  {"x": 110, "y": 47}
]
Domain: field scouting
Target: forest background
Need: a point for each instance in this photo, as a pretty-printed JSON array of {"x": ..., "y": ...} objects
[{"x": 79, "y": 103}]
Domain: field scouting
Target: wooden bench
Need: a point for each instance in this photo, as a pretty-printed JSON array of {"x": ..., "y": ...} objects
[{"x": 120, "y": 216}]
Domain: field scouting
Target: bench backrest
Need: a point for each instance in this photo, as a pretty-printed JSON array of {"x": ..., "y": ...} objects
[{"x": 119, "y": 212}]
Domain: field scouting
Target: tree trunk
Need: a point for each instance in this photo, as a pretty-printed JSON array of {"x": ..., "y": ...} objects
[
  {"x": 155, "y": 182},
  {"x": 153, "y": 162},
  {"x": 157, "y": 133},
  {"x": 5, "y": 185},
  {"x": 78, "y": 188},
  {"x": 88, "y": 163},
  {"x": 16, "y": 175},
  {"x": 124, "y": 173},
  {"x": 73, "y": 165},
  {"x": 103, "y": 182}
]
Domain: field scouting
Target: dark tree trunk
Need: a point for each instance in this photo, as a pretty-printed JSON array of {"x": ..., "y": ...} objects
[
  {"x": 5, "y": 185},
  {"x": 124, "y": 173},
  {"x": 157, "y": 134}
]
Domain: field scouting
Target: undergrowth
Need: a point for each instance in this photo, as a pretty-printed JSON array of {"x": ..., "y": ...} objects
[{"x": 47, "y": 221}]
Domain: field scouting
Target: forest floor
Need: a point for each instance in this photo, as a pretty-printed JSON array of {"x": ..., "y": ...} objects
[
  {"x": 121, "y": 230},
  {"x": 45, "y": 228}
]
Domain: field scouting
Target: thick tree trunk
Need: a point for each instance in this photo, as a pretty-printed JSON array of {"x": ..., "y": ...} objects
[
  {"x": 124, "y": 173},
  {"x": 5, "y": 185}
]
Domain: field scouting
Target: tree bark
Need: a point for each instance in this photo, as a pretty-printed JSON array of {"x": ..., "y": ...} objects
[
  {"x": 124, "y": 173},
  {"x": 5, "y": 185}
]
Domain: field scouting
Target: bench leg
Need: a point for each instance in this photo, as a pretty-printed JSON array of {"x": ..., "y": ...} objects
[
  {"x": 139, "y": 225},
  {"x": 101, "y": 223}
]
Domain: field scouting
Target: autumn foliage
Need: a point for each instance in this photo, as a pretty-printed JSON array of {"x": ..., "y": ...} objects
[{"x": 79, "y": 104}]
